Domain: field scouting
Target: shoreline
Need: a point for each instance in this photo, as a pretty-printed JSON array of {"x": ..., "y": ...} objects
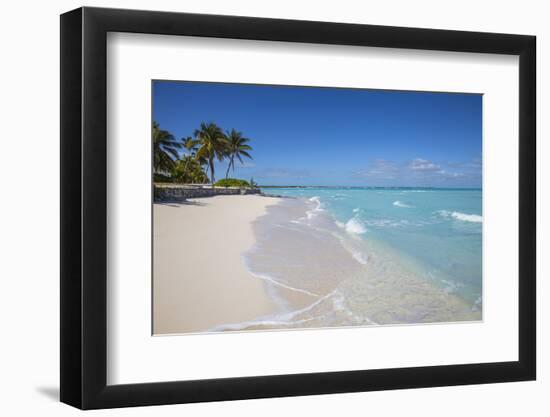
[
  {"x": 283, "y": 263},
  {"x": 199, "y": 280},
  {"x": 355, "y": 282}
]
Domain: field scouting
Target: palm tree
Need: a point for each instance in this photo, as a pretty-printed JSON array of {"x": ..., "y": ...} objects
[
  {"x": 236, "y": 148},
  {"x": 203, "y": 162},
  {"x": 190, "y": 146},
  {"x": 188, "y": 170},
  {"x": 212, "y": 144},
  {"x": 165, "y": 150}
]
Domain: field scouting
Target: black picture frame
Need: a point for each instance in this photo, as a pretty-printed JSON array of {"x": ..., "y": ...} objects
[{"x": 84, "y": 207}]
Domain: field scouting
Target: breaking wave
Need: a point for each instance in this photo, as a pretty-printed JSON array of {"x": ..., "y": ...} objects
[
  {"x": 355, "y": 227},
  {"x": 401, "y": 204},
  {"x": 457, "y": 215}
]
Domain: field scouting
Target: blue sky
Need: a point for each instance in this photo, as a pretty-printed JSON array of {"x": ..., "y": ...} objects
[{"x": 332, "y": 136}]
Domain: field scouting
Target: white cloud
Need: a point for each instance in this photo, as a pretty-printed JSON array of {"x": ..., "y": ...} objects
[
  {"x": 380, "y": 168},
  {"x": 283, "y": 173},
  {"x": 420, "y": 164},
  {"x": 420, "y": 171},
  {"x": 450, "y": 175},
  {"x": 247, "y": 164}
]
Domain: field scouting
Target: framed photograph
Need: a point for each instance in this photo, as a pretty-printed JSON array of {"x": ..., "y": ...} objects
[{"x": 258, "y": 208}]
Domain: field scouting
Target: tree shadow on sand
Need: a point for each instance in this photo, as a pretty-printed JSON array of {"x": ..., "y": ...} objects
[{"x": 180, "y": 203}]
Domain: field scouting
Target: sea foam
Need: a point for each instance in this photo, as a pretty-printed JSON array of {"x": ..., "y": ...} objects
[
  {"x": 401, "y": 204},
  {"x": 318, "y": 208},
  {"x": 355, "y": 227},
  {"x": 457, "y": 215}
]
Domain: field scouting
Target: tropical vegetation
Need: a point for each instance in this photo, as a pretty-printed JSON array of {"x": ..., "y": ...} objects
[
  {"x": 232, "y": 182},
  {"x": 188, "y": 170},
  {"x": 165, "y": 150},
  {"x": 192, "y": 159},
  {"x": 237, "y": 147}
]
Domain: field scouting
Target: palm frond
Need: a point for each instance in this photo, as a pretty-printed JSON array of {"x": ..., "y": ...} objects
[
  {"x": 246, "y": 154},
  {"x": 165, "y": 149}
]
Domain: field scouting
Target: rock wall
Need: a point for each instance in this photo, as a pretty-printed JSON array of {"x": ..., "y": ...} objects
[{"x": 182, "y": 192}]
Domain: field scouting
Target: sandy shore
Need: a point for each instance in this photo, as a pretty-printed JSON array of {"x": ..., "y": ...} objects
[{"x": 199, "y": 279}]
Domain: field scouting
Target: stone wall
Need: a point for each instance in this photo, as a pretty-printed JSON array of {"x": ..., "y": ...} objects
[{"x": 174, "y": 192}]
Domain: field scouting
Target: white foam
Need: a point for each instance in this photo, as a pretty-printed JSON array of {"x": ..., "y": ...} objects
[
  {"x": 280, "y": 284},
  {"x": 359, "y": 257},
  {"x": 477, "y": 304},
  {"x": 392, "y": 223},
  {"x": 401, "y": 204},
  {"x": 451, "y": 286},
  {"x": 356, "y": 254},
  {"x": 310, "y": 214},
  {"x": 266, "y": 322},
  {"x": 355, "y": 227},
  {"x": 457, "y": 215},
  {"x": 467, "y": 217},
  {"x": 339, "y": 303},
  {"x": 273, "y": 281},
  {"x": 314, "y": 211},
  {"x": 356, "y": 210},
  {"x": 284, "y": 319}
]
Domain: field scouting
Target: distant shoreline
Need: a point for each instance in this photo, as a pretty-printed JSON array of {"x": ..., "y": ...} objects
[
  {"x": 328, "y": 187},
  {"x": 367, "y": 187}
]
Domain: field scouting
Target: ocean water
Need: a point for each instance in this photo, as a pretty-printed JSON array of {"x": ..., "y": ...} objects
[
  {"x": 341, "y": 256},
  {"x": 440, "y": 228}
]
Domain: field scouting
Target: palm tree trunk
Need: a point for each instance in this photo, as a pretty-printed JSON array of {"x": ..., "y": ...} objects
[
  {"x": 229, "y": 167},
  {"x": 211, "y": 162},
  {"x": 186, "y": 164}
]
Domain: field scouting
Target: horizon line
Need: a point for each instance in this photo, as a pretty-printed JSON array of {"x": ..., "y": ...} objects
[{"x": 368, "y": 186}]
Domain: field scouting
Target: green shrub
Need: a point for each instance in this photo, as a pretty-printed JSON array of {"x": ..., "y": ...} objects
[{"x": 232, "y": 182}]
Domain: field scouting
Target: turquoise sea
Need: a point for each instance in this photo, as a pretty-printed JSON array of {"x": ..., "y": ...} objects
[
  {"x": 440, "y": 229},
  {"x": 349, "y": 256}
]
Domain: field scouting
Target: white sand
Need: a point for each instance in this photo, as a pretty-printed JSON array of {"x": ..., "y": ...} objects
[{"x": 199, "y": 279}]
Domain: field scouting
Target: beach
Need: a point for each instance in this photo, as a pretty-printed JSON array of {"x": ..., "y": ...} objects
[
  {"x": 384, "y": 227},
  {"x": 322, "y": 258},
  {"x": 199, "y": 279}
]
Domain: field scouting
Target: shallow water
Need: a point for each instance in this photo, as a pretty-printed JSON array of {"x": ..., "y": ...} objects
[
  {"x": 340, "y": 257},
  {"x": 440, "y": 228}
]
